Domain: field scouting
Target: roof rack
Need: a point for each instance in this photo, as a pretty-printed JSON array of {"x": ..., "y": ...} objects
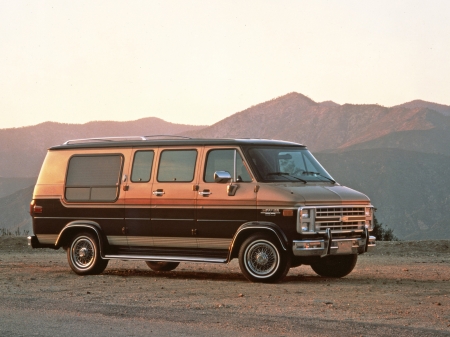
[
  {"x": 104, "y": 139},
  {"x": 118, "y": 139},
  {"x": 163, "y": 136}
]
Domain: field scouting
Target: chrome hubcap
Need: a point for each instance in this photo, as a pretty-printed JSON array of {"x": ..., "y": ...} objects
[
  {"x": 262, "y": 258},
  {"x": 82, "y": 252}
]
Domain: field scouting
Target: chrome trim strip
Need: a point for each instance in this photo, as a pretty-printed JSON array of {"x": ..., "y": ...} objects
[
  {"x": 165, "y": 219},
  {"x": 47, "y": 238},
  {"x": 74, "y": 218},
  {"x": 138, "y": 219},
  {"x": 166, "y": 258},
  {"x": 211, "y": 220}
]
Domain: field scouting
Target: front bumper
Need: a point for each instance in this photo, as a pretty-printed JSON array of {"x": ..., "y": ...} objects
[{"x": 329, "y": 246}]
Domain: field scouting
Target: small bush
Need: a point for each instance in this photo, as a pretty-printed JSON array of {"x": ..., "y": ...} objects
[
  {"x": 382, "y": 232},
  {"x": 17, "y": 232}
]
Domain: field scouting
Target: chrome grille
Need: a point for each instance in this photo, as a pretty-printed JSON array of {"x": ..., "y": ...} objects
[
  {"x": 330, "y": 217},
  {"x": 339, "y": 211}
]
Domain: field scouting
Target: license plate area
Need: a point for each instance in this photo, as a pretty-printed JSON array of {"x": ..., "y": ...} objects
[{"x": 344, "y": 247}]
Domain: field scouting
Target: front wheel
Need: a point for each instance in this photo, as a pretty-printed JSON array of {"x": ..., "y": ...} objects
[
  {"x": 261, "y": 259},
  {"x": 161, "y": 265},
  {"x": 335, "y": 265},
  {"x": 83, "y": 255}
]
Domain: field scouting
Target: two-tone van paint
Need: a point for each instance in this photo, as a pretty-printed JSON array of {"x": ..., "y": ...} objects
[{"x": 165, "y": 201}]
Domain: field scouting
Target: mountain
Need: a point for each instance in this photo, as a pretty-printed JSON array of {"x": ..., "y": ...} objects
[
  {"x": 322, "y": 126},
  {"x": 410, "y": 189},
  {"x": 25, "y": 147},
  {"x": 11, "y": 185},
  {"x": 443, "y": 109},
  {"x": 14, "y": 210}
]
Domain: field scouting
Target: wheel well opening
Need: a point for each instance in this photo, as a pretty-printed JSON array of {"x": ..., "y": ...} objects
[
  {"x": 70, "y": 232},
  {"x": 246, "y": 234}
]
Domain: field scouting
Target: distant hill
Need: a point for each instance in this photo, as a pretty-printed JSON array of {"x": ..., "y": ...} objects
[
  {"x": 14, "y": 210},
  {"x": 443, "y": 109},
  {"x": 322, "y": 126},
  {"x": 410, "y": 189},
  {"x": 11, "y": 185},
  {"x": 25, "y": 147}
]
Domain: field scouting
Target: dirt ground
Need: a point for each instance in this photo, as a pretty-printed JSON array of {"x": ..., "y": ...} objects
[{"x": 403, "y": 289}]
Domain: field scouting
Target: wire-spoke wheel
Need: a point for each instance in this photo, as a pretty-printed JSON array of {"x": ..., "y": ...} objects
[
  {"x": 83, "y": 255},
  {"x": 161, "y": 265},
  {"x": 262, "y": 260}
]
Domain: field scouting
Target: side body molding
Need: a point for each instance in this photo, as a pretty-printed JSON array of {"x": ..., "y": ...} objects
[
  {"x": 256, "y": 226},
  {"x": 64, "y": 235}
]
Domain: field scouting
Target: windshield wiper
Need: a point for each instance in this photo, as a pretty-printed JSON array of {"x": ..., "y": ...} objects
[
  {"x": 321, "y": 175},
  {"x": 285, "y": 174}
]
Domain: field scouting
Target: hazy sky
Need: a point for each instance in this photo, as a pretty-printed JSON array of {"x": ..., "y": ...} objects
[{"x": 197, "y": 62}]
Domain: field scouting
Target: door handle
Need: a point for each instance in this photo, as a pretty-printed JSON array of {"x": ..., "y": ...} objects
[
  {"x": 159, "y": 193},
  {"x": 205, "y": 193}
]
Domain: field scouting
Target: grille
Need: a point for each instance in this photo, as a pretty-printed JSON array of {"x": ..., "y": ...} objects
[
  {"x": 329, "y": 217},
  {"x": 340, "y": 226},
  {"x": 340, "y": 211}
]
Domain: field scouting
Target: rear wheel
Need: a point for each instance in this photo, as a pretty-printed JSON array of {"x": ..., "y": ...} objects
[
  {"x": 83, "y": 255},
  {"x": 335, "y": 265},
  {"x": 262, "y": 259},
  {"x": 161, "y": 265}
]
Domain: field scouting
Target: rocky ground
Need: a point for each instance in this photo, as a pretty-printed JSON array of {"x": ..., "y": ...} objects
[{"x": 403, "y": 289}]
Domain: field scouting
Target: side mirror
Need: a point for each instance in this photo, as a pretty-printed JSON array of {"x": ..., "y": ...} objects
[{"x": 222, "y": 177}]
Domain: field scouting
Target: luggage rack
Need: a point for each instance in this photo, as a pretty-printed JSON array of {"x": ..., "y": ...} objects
[{"x": 120, "y": 139}]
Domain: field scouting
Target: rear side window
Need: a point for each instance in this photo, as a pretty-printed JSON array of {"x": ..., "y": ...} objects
[
  {"x": 177, "y": 165},
  {"x": 93, "y": 178},
  {"x": 142, "y": 166}
]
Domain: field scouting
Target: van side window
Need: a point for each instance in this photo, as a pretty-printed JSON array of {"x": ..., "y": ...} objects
[
  {"x": 177, "y": 165},
  {"x": 93, "y": 178},
  {"x": 224, "y": 160},
  {"x": 142, "y": 166}
]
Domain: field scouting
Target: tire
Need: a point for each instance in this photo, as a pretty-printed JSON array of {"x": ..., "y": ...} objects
[
  {"x": 295, "y": 263},
  {"x": 262, "y": 259},
  {"x": 83, "y": 255},
  {"x": 335, "y": 265},
  {"x": 161, "y": 265}
]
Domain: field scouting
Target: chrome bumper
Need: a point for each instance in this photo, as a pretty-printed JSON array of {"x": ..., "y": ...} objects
[{"x": 323, "y": 247}]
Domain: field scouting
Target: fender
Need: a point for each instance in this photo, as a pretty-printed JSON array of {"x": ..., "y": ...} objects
[
  {"x": 263, "y": 225},
  {"x": 84, "y": 224}
]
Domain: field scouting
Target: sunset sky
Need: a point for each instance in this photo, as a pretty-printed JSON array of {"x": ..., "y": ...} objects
[{"x": 197, "y": 62}]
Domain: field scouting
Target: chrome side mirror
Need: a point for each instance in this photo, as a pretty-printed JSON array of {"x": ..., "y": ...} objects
[{"x": 222, "y": 177}]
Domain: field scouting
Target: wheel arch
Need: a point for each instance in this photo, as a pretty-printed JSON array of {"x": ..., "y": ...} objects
[
  {"x": 249, "y": 228},
  {"x": 82, "y": 225}
]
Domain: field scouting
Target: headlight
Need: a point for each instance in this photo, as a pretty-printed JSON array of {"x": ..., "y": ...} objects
[{"x": 306, "y": 213}]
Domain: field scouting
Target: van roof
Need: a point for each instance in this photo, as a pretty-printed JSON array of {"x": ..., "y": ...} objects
[{"x": 141, "y": 141}]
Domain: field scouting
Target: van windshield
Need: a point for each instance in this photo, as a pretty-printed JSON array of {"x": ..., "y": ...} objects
[{"x": 286, "y": 164}]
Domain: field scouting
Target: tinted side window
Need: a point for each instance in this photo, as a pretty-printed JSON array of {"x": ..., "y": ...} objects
[
  {"x": 142, "y": 166},
  {"x": 177, "y": 165},
  {"x": 93, "y": 178},
  {"x": 223, "y": 160}
]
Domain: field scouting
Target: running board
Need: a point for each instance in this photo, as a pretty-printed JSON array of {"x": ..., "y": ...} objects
[{"x": 165, "y": 258}]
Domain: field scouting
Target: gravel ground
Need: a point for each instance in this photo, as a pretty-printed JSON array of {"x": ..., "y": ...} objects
[{"x": 403, "y": 289}]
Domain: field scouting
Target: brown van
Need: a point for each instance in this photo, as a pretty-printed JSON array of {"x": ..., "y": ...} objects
[{"x": 165, "y": 201}]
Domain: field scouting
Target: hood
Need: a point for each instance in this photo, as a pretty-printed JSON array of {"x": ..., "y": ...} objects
[
  {"x": 337, "y": 195},
  {"x": 309, "y": 195}
]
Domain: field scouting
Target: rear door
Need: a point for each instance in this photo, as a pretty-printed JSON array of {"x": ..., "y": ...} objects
[{"x": 223, "y": 207}]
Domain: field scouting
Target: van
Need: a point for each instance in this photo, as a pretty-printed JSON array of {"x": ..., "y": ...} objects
[{"x": 166, "y": 200}]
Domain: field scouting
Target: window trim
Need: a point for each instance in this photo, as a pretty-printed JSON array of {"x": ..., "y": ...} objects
[{"x": 117, "y": 186}]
